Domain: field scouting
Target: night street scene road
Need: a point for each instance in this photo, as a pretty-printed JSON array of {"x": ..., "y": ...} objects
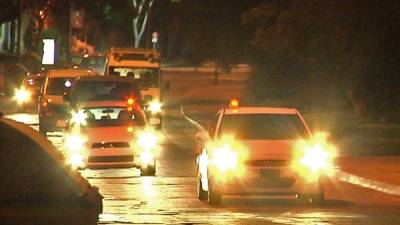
[{"x": 200, "y": 112}]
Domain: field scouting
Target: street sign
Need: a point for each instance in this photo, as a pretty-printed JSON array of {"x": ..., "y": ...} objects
[{"x": 48, "y": 52}]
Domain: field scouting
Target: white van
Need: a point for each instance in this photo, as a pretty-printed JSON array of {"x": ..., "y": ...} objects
[
  {"x": 51, "y": 106},
  {"x": 142, "y": 65}
]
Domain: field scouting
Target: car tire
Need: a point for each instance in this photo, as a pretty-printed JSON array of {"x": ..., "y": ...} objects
[
  {"x": 313, "y": 199},
  {"x": 201, "y": 194},
  {"x": 214, "y": 196},
  {"x": 149, "y": 170}
]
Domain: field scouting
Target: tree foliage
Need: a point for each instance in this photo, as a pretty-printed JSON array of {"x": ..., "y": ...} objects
[
  {"x": 8, "y": 10},
  {"x": 318, "y": 51}
]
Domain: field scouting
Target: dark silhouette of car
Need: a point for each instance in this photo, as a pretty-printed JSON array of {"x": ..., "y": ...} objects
[{"x": 36, "y": 186}]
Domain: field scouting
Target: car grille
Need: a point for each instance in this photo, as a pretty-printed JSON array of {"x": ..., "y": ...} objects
[
  {"x": 271, "y": 178},
  {"x": 110, "y": 159},
  {"x": 110, "y": 145},
  {"x": 267, "y": 163}
]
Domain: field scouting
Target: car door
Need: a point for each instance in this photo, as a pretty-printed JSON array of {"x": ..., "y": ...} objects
[{"x": 35, "y": 188}]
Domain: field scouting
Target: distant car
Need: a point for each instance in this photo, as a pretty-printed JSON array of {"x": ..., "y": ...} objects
[
  {"x": 110, "y": 134},
  {"x": 28, "y": 93},
  {"x": 52, "y": 107},
  {"x": 36, "y": 186},
  {"x": 100, "y": 88},
  {"x": 252, "y": 150}
]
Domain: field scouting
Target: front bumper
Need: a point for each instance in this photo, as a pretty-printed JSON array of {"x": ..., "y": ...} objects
[{"x": 264, "y": 181}]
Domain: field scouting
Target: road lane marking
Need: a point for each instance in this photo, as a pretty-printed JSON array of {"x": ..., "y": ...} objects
[{"x": 366, "y": 183}]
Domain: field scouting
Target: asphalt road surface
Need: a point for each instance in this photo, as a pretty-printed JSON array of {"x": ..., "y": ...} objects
[{"x": 170, "y": 196}]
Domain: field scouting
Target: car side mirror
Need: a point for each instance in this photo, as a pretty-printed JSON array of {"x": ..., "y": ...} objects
[
  {"x": 202, "y": 137},
  {"x": 93, "y": 199}
]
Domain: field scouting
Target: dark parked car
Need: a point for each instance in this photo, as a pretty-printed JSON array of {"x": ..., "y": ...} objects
[
  {"x": 28, "y": 93},
  {"x": 36, "y": 186}
]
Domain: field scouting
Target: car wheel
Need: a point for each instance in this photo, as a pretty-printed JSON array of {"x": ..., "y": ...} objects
[
  {"x": 148, "y": 170},
  {"x": 313, "y": 199},
  {"x": 201, "y": 194},
  {"x": 318, "y": 199},
  {"x": 214, "y": 196}
]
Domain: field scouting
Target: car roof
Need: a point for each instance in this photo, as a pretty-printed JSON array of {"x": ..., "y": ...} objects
[
  {"x": 35, "y": 75},
  {"x": 106, "y": 78},
  {"x": 48, "y": 147},
  {"x": 261, "y": 110},
  {"x": 71, "y": 72}
]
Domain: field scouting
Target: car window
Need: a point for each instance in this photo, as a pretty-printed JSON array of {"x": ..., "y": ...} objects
[
  {"x": 263, "y": 126},
  {"x": 103, "y": 90},
  {"x": 146, "y": 77},
  {"x": 29, "y": 173},
  {"x": 111, "y": 116},
  {"x": 59, "y": 86}
]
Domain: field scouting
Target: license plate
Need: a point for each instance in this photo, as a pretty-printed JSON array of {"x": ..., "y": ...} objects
[{"x": 270, "y": 173}]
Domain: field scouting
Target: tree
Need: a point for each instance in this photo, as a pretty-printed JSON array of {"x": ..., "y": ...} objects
[
  {"x": 142, "y": 9},
  {"x": 322, "y": 51},
  {"x": 38, "y": 11},
  {"x": 8, "y": 10}
]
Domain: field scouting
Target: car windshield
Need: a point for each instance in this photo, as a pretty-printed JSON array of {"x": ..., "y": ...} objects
[
  {"x": 263, "y": 126},
  {"x": 146, "y": 77},
  {"x": 104, "y": 90},
  {"x": 111, "y": 116},
  {"x": 59, "y": 86}
]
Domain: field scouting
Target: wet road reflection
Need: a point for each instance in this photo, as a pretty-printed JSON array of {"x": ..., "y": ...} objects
[{"x": 170, "y": 197}]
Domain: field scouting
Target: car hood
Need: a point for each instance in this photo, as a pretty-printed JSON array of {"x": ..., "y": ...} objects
[
  {"x": 270, "y": 149},
  {"x": 108, "y": 134}
]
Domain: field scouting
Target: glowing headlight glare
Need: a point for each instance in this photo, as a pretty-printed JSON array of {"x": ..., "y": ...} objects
[
  {"x": 76, "y": 160},
  {"x": 224, "y": 158},
  {"x": 147, "y": 140},
  {"x": 74, "y": 142},
  {"x": 22, "y": 95},
  {"x": 146, "y": 157},
  {"x": 79, "y": 118},
  {"x": 155, "y": 106},
  {"x": 314, "y": 158}
]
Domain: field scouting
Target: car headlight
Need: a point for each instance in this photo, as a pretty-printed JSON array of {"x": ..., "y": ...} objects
[
  {"x": 224, "y": 158},
  {"x": 75, "y": 142},
  {"x": 147, "y": 140},
  {"x": 79, "y": 118},
  {"x": 76, "y": 160},
  {"x": 155, "y": 107},
  {"x": 146, "y": 157},
  {"x": 314, "y": 158},
  {"x": 22, "y": 95}
]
